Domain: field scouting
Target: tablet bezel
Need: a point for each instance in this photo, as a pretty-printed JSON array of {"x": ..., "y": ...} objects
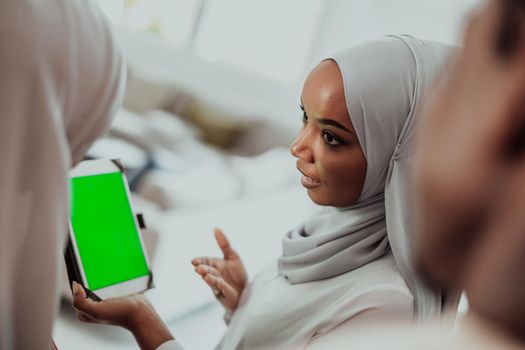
[{"x": 136, "y": 285}]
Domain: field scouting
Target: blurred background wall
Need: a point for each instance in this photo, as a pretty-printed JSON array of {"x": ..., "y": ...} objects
[{"x": 251, "y": 56}]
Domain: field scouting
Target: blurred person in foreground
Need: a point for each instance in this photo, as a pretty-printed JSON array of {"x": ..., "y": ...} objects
[
  {"x": 470, "y": 179},
  {"x": 471, "y": 205},
  {"x": 61, "y": 78}
]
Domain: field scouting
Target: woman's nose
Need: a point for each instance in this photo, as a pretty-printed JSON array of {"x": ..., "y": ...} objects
[{"x": 301, "y": 149}]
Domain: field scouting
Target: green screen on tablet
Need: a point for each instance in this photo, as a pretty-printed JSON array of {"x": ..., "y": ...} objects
[{"x": 105, "y": 231}]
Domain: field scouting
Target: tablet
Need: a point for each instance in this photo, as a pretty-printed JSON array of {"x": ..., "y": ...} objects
[{"x": 106, "y": 252}]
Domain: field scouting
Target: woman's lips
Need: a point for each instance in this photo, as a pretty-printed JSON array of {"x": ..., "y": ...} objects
[{"x": 308, "y": 182}]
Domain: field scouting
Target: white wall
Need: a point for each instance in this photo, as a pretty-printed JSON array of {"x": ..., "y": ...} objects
[
  {"x": 343, "y": 23},
  {"x": 347, "y": 22}
]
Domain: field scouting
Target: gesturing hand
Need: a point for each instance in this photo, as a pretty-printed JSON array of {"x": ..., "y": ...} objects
[{"x": 227, "y": 276}]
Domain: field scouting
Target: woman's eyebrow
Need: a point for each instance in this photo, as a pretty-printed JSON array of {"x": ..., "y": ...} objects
[{"x": 324, "y": 121}]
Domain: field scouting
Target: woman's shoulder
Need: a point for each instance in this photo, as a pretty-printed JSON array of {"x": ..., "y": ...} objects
[
  {"x": 393, "y": 298},
  {"x": 379, "y": 280},
  {"x": 377, "y": 284}
]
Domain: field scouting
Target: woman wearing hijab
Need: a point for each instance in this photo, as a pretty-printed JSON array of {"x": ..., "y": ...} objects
[
  {"x": 471, "y": 223},
  {"x": 61, "y": 78},
  {"x": 350, "y": 262}
]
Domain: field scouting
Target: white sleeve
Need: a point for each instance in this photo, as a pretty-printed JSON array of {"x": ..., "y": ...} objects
[
  {"x": 171, "y": 345},
  {"x": 227, "y": 317}
]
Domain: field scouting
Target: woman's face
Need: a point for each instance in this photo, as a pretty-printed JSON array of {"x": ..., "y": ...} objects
[{"x": 327, "y": 149}]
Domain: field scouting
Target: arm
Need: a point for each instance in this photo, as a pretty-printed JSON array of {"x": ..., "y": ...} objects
[
  {"x": 226, "y": 277},
  {"x": 133, "y": 313}
]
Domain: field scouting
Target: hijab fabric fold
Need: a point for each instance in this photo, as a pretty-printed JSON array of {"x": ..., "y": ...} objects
[{"x": 385, "y": 81}]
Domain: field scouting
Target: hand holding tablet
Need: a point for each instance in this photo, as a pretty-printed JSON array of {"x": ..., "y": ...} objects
[{"x": 105, "y": 254}]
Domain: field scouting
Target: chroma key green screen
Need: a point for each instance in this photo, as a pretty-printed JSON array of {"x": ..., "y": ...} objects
[{"x": 105, "y": 232}]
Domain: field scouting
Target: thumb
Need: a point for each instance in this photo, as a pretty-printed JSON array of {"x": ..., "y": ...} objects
[
  {"x": 224, "y": 244},
  {"x": 78, "y": 291},
  {"x": 81, "y": 302}
]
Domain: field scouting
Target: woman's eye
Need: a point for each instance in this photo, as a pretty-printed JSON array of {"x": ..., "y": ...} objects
[{"x": 330, "y": 139}]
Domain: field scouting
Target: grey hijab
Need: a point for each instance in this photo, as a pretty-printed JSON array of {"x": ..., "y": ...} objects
[{"x": 385, "y": 81}]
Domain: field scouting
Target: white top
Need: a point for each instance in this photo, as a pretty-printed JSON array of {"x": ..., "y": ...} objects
[
  {"x": 470, "y": 333},
  {"x": 374, "y": 291},
  {"x": 61, "y": 78},
  {"x": 171, "y": 345}
]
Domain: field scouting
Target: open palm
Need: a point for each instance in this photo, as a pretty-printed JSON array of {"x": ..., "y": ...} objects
[{"x": 226, "y": 276}]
